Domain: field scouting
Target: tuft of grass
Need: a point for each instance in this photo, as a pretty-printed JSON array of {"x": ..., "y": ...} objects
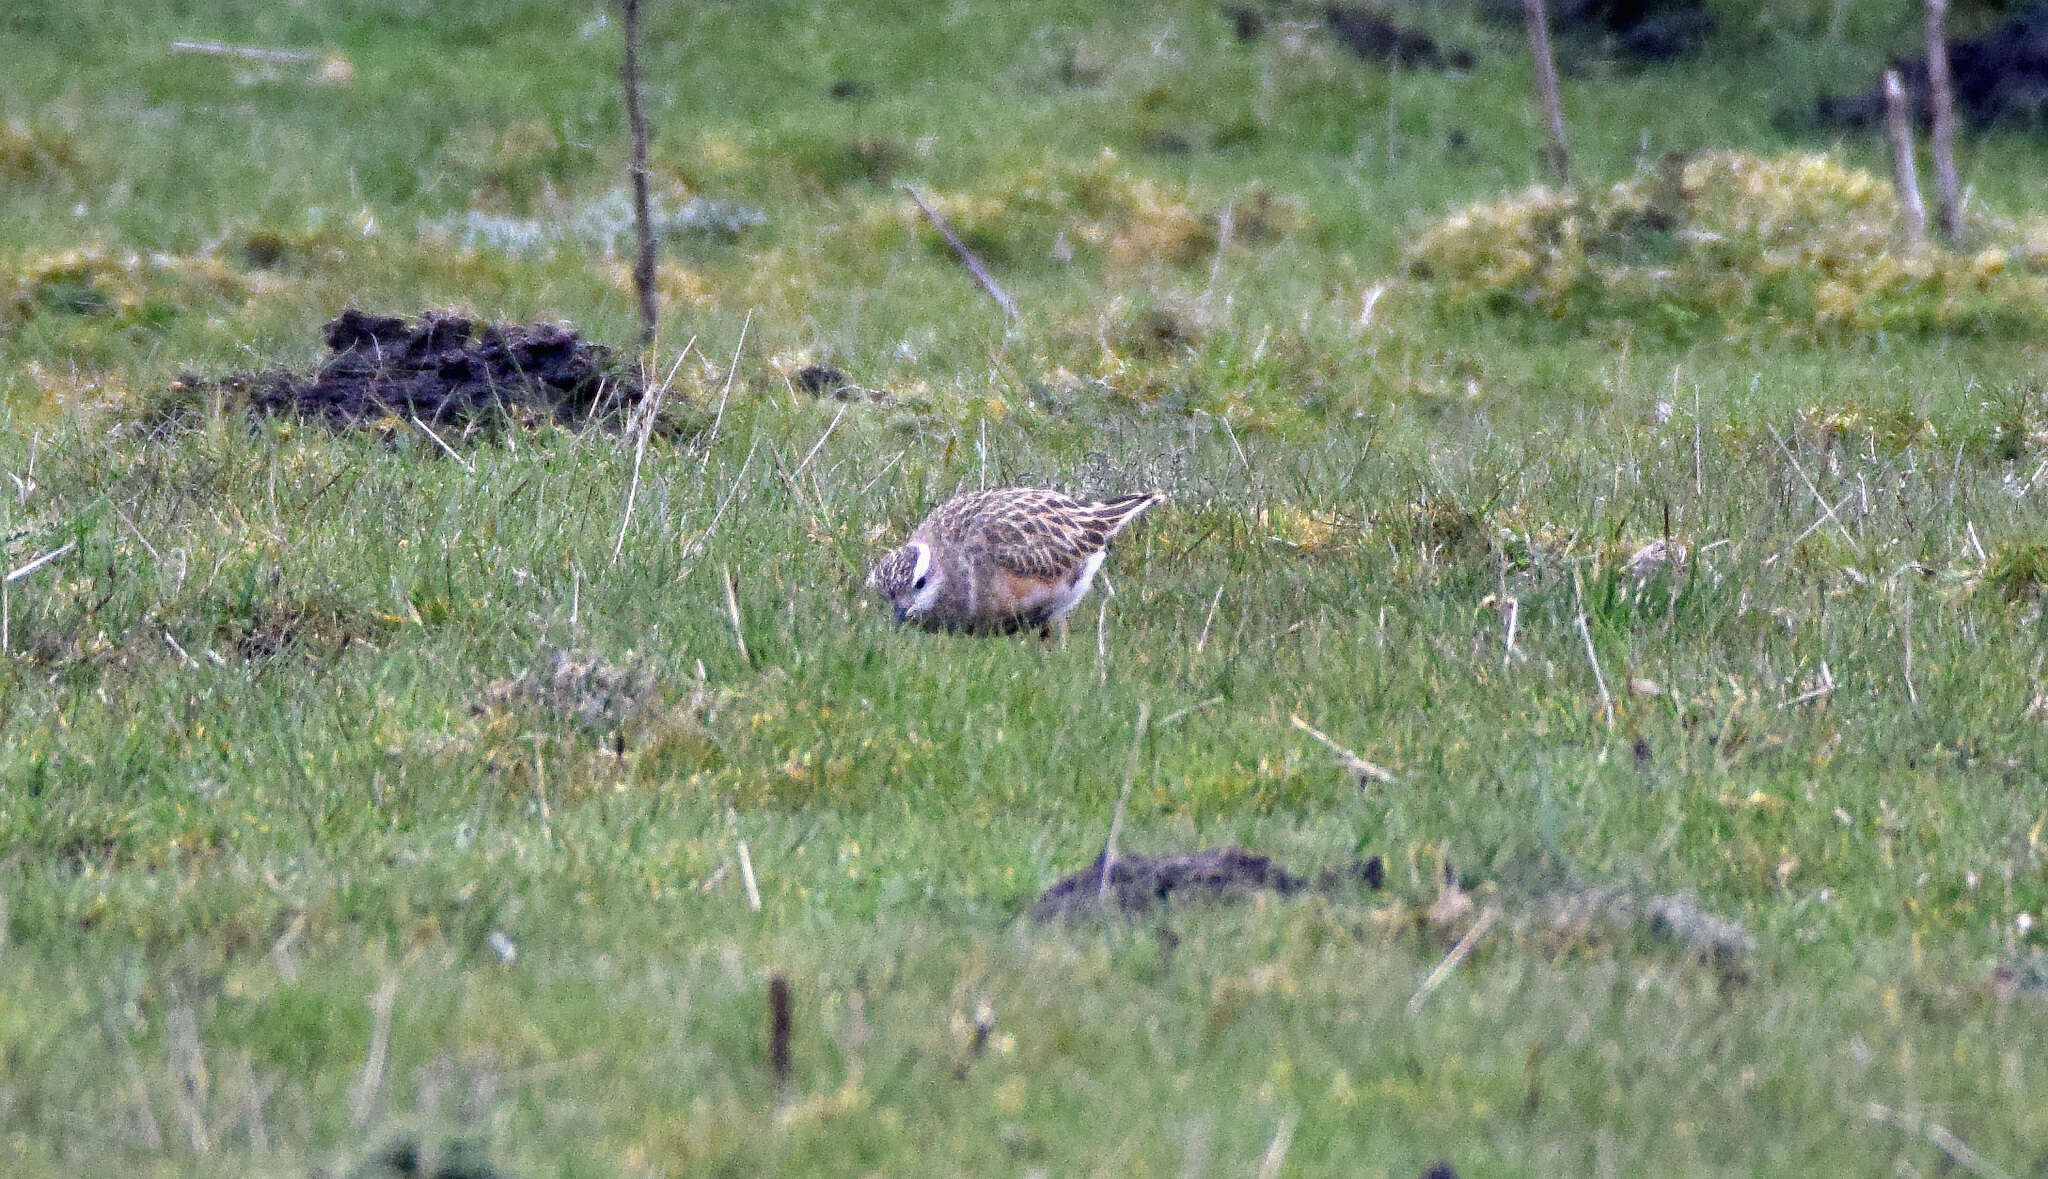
[
  {"x": 1726, "y": 243},
  {"x": 2018, "y": 569}
]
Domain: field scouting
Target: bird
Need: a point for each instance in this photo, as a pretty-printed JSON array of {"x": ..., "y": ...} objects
[{"x": 1002, "y": 560}]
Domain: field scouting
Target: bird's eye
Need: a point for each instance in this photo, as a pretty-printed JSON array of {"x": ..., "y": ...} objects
[{"x": 919, "y": 583}]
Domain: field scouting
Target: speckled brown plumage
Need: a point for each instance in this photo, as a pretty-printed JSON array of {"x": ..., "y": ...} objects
[{"x": 1003, "y": 559}]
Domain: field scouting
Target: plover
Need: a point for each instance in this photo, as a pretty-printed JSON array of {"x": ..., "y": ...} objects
[{"x": 1002, "y": 560}]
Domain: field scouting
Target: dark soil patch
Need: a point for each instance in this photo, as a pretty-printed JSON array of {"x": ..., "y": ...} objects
[
  {"x": 1138, "y": 883},
  {"x": 820, "y": 380},
  {"x": 1165, "y": 143},
  {"x": 1246, "y": 22},
  {"x": 441, "y": 370},
  {"x": 1640, "y": 31},
  {"x": 1373, "y": 38},
  {"x": 405, "y": 1157},
  {"x": 2000, "y": 77}
]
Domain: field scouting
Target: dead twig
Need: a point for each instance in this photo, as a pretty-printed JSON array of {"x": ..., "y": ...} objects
[
  {"x": 1226, "y": 223},
  {"x": 747, "y": 875},
  {"x": 1169, "y": 719},
  {"x": 39, "y": 562},
  {"x": 185, "y": 1068},
  {"x": 1555, "y": 156},
  {"x": 442, "y": 443},
  {"x": 254, "y": 1094},
  {"x": 1451, "y": 960},
  {"x": 717, "y": 875},
  {"x": 1101, "y": 634},
  {"x": 1939, "y": 1136},
  {"x": 1906, "y": 658},
  {"x": 1353, "y": 764},
  {"x": 1826, "y": 510},
  {"x": 732, "y": 609},
  {"x": 1276, "y": 1150},
  {"x": 147, "y": 1132},
  {"x": 1592, "y": 659},
  {"x": 259, "y": 53},
  {"x": 1202, "y": 640},
  {"x": 1898, "y": 127},
  {"x": 819, "y": 444},
  {"x": 1941, "y": 117},
  {"x": 362, "y": 1098},
  {"x": 643, "y": 219},
  {"x": 966, "y": 256}
]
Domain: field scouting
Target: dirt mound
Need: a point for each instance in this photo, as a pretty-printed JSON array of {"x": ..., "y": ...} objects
[
  {"x": 2001, "y": 76},
  {"x": 1136, "y": 883},
  {"x": 443, "y": 371},
  {"x": 1641, "y": 30},
  {"x": 1373, "y": 38}
]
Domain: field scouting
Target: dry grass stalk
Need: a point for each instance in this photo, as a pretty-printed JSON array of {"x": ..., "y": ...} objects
[
  {"x": 1555, "y": 156},
  {"x": 1101, "y": 634},
  {"x": 1905, "y": 176},
  {"x": 747, "y": 875},
  {"x": 185, "y": 1068},
  {"x": 1202, "y": 640},
  {"x": 1906, "y": 657},
  {"x": 254, "y": 1094},
  {"x": 1353, "y": 764},
  {"x": 1827, "y": 511},
  {"x": 1592, "y": 659},
  {"x": 148, "y": 1135},
  {"x": 41, "y": 561},
  {"x": 443, "y": 444},
  {"x": 1276, "y": 1150},
  {"x": 362, "y": 1098},
  {"x": 1938, "y": 1136},
  {"x": 732, "y": 609},
  {"x": 1123, "y": 798},
  {"x": 718, "y": 417},
  {"x": 646, "y": 413},
  {"x": 1941, "y": 111},
  {"x": 967, "y": 257},
  {"x": 1458, "y": 954},
  {"x": 819, "y": 444},
  {"x": 256, "y": 53}
]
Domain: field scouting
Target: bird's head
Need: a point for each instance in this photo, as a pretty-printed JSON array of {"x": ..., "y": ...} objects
[{"x": 909, "y": 580}]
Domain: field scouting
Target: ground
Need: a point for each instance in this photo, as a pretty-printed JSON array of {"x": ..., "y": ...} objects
[{"x": 384, "y": 797}]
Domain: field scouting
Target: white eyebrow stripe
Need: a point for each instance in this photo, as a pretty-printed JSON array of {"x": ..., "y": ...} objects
[{"x": 924, "y": 560}]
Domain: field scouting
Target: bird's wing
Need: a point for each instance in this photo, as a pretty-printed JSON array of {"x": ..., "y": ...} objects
[{"x": 1044, "y": 534}]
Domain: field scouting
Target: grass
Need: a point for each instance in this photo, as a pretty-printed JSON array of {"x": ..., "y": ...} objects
[{"x": 282, "y": 727}]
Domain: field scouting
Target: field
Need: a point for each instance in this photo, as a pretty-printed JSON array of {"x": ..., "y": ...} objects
[{"x": 392, "y": 800}]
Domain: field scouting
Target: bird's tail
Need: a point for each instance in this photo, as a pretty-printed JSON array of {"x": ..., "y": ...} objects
[{"x": 1112, "y": 514}]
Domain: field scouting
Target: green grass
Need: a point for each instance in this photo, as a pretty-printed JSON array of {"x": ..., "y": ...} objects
[{"x": 265, "y": 752}]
